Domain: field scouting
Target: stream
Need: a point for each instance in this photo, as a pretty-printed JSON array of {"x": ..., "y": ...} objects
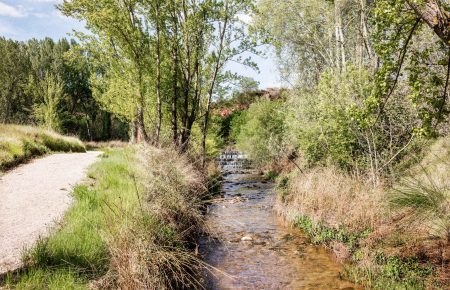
[{"x": 251, "y": 248}]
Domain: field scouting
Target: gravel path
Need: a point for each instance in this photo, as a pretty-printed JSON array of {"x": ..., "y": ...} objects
[{"x": 33, "y": 197}]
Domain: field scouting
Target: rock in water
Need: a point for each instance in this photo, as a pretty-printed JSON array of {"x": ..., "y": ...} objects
[{"x": 246, "y": 239}]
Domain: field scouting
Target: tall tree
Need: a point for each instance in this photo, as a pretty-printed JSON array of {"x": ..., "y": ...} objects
[
  {"x": 14, "y": 75},
  {"x": 118, "y": 21}
]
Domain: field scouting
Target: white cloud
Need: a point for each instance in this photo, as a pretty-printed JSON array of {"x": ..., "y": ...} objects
[{"x": 11, "y": 11}]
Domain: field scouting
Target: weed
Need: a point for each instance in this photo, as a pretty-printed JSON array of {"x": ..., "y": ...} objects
[{"x": 321, "y": 234}]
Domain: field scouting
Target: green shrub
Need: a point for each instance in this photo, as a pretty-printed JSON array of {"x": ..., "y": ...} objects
[
  {"x": 319, "y": 121},
  {"x": 261, "y": 132},
  {"x": 333, "y": 124},
  {"x": 390, "y": 272}
]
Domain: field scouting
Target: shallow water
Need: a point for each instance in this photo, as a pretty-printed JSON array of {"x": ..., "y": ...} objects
[{"x": 251, "y": 248}]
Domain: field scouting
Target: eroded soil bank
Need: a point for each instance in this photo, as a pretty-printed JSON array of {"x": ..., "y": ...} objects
[{"x": 251, "y": 248}]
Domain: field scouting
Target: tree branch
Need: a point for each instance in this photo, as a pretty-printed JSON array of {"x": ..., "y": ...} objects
[{"x": 399, "y": 68}]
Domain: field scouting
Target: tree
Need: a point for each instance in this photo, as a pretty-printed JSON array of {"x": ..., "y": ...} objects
[
  {"x": 435, "y": 14},
  {"x": 51, "y": 91},
  {"x": 119, "y": 25},
  {"x": 404, "y": 44},
  {"x": 311, "y": 36},
  {"x": 14, "y": 74},
  {"x": 232, "y": 41},
  {"x": 157, "y": 56}
]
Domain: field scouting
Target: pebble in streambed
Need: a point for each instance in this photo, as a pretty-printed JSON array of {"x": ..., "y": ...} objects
[{"x": 254, "y": 250}]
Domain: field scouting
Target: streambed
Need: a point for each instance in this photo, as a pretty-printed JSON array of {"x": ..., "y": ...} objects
[{"x": 251, "y": 248}]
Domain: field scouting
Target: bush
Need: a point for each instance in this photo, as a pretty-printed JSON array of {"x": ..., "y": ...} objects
[
  {"x": 333, "y": 124},
  {"x": 150, "y": 248},
  {"x": 261, "y": 133}
]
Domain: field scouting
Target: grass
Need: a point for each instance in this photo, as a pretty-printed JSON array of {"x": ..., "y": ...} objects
[
  {"x": 397, "y": 237},
  {"x": 20, "y": 143},
  {"x": 423, "y": 195},
  {"x": 321, "y": 234},
  {"x": 131, "y": 227},
  {"x": 332, "y": 198}
]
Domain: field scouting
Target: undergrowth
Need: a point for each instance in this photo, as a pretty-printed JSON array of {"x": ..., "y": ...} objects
[
  {"x": 396, "y": 235},
  {"x": 20, "y": 143},
  {"x": 374, "y": 270},
  {"x": 321, "y": 234},
  {"x": 390, "y": 272}
]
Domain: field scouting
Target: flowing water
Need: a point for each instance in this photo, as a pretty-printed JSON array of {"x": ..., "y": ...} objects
[{"x": 251, "y": 248}]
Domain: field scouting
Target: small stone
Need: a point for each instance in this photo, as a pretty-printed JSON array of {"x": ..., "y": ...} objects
[{"x": 246, "y": 239}]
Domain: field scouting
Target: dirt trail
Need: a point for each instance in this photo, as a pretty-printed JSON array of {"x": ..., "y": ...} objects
[{"x": 33, "y": 197}]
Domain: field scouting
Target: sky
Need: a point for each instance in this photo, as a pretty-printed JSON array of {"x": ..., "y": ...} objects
[{"x": 26, "y": 19}]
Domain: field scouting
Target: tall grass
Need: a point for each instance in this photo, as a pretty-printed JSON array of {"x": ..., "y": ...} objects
[
  {"x": 130, "y": 228},
  {"x": 331, "y": 198},
  {"x": 424, "y": 194},
  {"x": 151, "y": 250},
  {"x": 20, "y": 143},
  {"x": 426, "y": 206}
]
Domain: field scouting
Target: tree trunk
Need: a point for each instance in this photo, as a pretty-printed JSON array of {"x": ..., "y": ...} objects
[
  {"x": 158, "y": 75},
  {"x": 365, "y": 30},
  {"x": 140, "y": 135},
  {"x": 340, "y": 49},
  {"x": 196, "y": 99},
  {"x": 435, "y": 16},
  {"x": 195, "y": 103},
  {"x": 107, "y": 126},
  {"x": 140, "y": 132},
  {"x": 337, "y": 56},
  {"x": 175, "y": 95},
  {"x": 213, "y": 83}
]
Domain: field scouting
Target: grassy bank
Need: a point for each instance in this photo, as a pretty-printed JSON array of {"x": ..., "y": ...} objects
[
  {"x": 396, "y": 236},
  {"x": 20, "y": 143},
  {"x": 130, "y": 227}
]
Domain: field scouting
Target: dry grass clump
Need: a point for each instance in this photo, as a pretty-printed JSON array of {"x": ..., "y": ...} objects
[
  {"x": 173, "y": 188},
  {"x": 332, "y": 198},
  {"x": 423, "y": 196},
  {"x": 106, "y": 144},
  {"x": 19, "y": 143},
  {"x": 152, "y": 247},
  {"x": 146, "y": 254}
]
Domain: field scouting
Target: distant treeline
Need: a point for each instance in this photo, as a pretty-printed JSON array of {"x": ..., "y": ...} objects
[{"x": 44, "y": 82}]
